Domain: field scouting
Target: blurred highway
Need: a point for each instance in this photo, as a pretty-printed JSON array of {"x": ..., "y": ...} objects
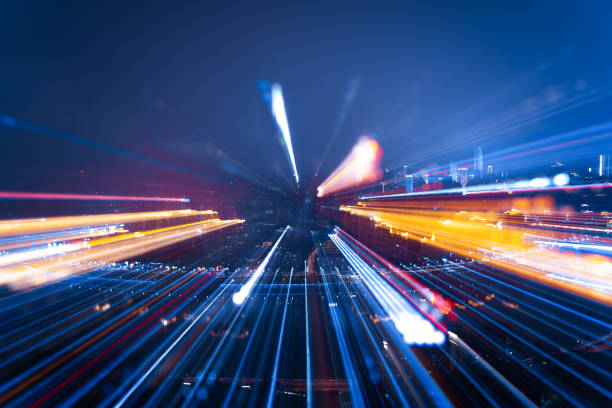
[{"x": 312, "y": 332}]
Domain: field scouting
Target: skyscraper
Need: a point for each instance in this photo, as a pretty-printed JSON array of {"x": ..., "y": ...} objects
[
  {"x": 604, "y": 165},
  {"x": 409, "y": 183},
  {"x": 453, "y": 172},
  {"x": 478, "y": 165}
]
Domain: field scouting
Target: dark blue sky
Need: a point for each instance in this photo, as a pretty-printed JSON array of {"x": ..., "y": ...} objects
[{"x": 176, "y": 81}]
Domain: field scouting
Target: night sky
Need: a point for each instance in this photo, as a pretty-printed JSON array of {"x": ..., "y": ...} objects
[{"x": 177, "y": 82}]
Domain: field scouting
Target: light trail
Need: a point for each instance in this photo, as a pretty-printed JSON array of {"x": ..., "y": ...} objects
[
  {"x": 361, "y": 166},
  {"x": 344, "y": 347},
  {"x": 34, "y": 320},
  {"x": 240, "y": 296},
  {"x": 501, "y": 348},
  {"x": 470, "y": 377},
  {"x": 168, "y": 350},
  {"x": 30, "y": 241},
  {"x": 137, "y": 333},
  {"x": 433, "y": 394},
  {"x": 413, "y": 326},
  {"x": 46, "y": 327},
  {"x": 581, "y": 282},
  {"x": 280, "y": 116},
  {"x": 504, "y": 322},
  {"x": 72, "y": 350},
  {"x": 439, "y": 306},
  {"x": 105, "y": 250},
  {"x": 37, "y": 252},
  {"x": 368, "y": 332},
  {"x": 606, "y": 249},
  {"x": 564, "y": 310},
  {"x": 515, "y": 391},
  {"x": 245, "y": 355},
  {"x": 516, "y": 295},
  {"x": 385, "y": 367},
  {"x": 417, "y": 372},
  {"x": 20, "y": 195},
  {"x": 494, "y": 232},
  {"x": 38, "y": 225},
  {"x": 525, "y": 186},
  {"x": 205, "y": 372},
  {"x": 270, "y": 401},
  {"x": 308, "y": 364},
  {"x": 189, "y": 350},
  {"x": 139, "y": 341}
]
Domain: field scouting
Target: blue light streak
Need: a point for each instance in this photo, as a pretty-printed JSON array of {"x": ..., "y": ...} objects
[
  {"x": 414, "y": 328},
  {"x": 308, "y": 368},
  {"x": 279, "y": 347}
]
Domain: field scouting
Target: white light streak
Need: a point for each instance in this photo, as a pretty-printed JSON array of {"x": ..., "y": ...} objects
[
  {"x": 270, "y": 401},
  {"x": 519, "y": 186},
  {"x": 540, "y": 182},
  {"x": 49, "y": 250},
  {"x": 308, "y": 365},
  {"x": 280, "y": 115},
  {"x": 240, "y": 296},
  {"x": 576, "y": 246},
  {"x": 414, "y": 328},
  {"x": 581, "y": 282}
]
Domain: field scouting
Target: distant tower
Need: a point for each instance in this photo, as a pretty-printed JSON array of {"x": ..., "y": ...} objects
[
  {"x": 463, "y": 176},
  {"x": 604, "y": 165},
  {"x": 453, "y": 172},
  {"x": 409, "y": 183},
  {"x": 478, "y": 166}
]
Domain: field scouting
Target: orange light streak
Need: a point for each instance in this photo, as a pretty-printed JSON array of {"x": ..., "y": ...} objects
[
  {"x": 361, "y": 166},
  {"x": 105, "y": 250},
  {"x": 501, "y": 238},
  {"x": 38, "y": 225}
]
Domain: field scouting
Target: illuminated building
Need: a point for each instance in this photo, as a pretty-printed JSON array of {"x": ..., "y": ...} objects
[
  {"x": 409, "y": 182},
  {"x": 478, "y": 166},
  {"x": 453, "y": 172},
  {"x": 604, "y": 165}
]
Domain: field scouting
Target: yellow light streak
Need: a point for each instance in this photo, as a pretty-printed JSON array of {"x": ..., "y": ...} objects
[
  {"x": 490, "y": 234},
  {"x": 38, "y": 225},
  {"x": 105, "y": 250}
]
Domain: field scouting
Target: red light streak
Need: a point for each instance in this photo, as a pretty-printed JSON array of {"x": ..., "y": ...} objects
[{"x": 19, "y": 195}]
